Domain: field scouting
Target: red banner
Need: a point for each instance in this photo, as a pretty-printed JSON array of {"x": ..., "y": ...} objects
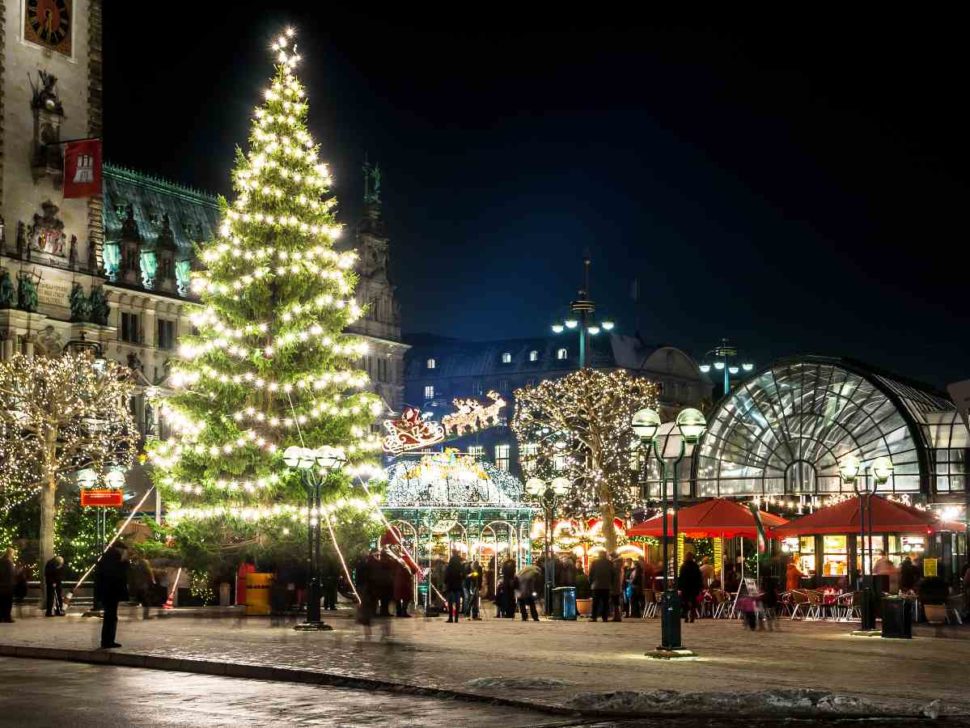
[
  {"x": 82, "y": 168},
  {"x": 102, "y": 497}
]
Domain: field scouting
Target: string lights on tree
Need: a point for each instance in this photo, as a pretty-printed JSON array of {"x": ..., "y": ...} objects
[
  {"x": 580, "y": 425},
  {"x": 59, "y": 415},
  {"x": 270, "y": 365}
]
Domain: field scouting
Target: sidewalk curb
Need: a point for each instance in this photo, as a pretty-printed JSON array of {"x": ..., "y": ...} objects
[{"x": 273, "y": 674}]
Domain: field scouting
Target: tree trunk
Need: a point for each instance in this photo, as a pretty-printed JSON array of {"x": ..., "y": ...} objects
[
  {"x": 48, "y": 492},
  {"x": 607, "y": 509}
]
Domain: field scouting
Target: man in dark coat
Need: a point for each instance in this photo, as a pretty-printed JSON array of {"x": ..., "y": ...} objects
[
  {"x": 690, "y": 584},
  {"x": 601, "y": 583},
  {"x": 473, "y": 585},
  {"x": 8, "y": 579},
  {"x": 454, "y": 579},
  {"x": 53, "y": 595},
  {"x": 908, "y": 575},
  {"x": 111, "y": 581}
]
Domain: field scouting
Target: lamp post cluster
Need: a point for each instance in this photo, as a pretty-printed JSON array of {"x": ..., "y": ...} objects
[
  {"x": 547, "y": 495},
  {"x": 314, "y": 466},
  {"x": 690, "y": 425},
  {"x": 580, "y": 317},
  {"x": 114, "y": 479},
  {"x": 720, "y": 356},
  {"x": 872, "y": 475}
]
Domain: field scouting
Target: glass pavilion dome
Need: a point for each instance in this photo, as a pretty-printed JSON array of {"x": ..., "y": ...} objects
[{"x": 784, "y": 430}]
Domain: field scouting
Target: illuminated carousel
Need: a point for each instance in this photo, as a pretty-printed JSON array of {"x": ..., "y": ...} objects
[{"x": 448, "y": 501}]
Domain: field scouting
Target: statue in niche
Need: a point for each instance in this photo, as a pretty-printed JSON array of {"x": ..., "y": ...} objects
[
  {"x": 26, "y": 292},
  {"x": 45, "y": 95},
  {"x": 98, "y": 305},
  {"x": 372, "y": 183},
  {"x": 92, "y": 256},
  {"x": 21, "y": 239},
  {"x": 80, "y": 307},
  {"x": 134, "y": 363},
  {"x": 129, "y": 227},
  {"x": 49, "y": 342},
  {"x": 47, "y": 232},
  {"x": 7, "y": 293},
  {"x": 72, "y": 255}
]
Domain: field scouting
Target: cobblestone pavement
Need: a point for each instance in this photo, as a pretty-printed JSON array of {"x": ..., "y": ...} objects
[
  {"x": 573, "y": 657},
  {"x": 40, "y": 693}
]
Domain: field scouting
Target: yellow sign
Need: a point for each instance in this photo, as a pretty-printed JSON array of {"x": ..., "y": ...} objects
[{"x": 929, "y": 567}]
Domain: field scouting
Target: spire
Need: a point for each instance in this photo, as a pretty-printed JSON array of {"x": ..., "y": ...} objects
[{"x": 372, "y": 187}]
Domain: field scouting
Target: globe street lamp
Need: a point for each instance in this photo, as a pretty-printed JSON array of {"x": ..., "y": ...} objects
[
  {"x": 690, "y": 426},
  {"x": 880, "y": 471},
  {"x": 581, "y": 317},
  {"x": 547, "y": 494},
  {"x": 314, "y": 466},
  {"x": 721, "y": 354}
]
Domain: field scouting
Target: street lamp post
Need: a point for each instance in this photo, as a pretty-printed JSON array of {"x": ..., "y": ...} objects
[
  {"x": 879, "y": 471},
  {"x": 721, "y": 354},
  {"x": 581, "y": 317},
  {"x": 547, "y": 494},
  {"x": 313, "y": 464},
  {"x": 690, "y": 426}
]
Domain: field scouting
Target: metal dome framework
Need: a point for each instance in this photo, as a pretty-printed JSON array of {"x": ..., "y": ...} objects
[{"x": 785, "y": 429}]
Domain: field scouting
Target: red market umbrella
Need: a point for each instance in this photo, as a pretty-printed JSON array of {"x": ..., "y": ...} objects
[
  {"x": 887, "y": 517},
  {"x": 718, "y": 517}
]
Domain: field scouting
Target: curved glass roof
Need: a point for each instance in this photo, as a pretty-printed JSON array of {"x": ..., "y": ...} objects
[{"x": 785, "y": 430}]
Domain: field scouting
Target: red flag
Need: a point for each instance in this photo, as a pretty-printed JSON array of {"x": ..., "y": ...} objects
[{"x": 82, "y": 168}]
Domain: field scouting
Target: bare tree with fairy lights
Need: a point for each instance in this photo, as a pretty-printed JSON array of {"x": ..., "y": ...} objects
[
  {"x": 57, "y": 416},
  {"x": 581, "y": 425},
  {"x": 271, "y": 366}
]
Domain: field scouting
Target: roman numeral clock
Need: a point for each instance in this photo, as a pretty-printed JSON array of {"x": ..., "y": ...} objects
[{"x": 47, "y": 23}]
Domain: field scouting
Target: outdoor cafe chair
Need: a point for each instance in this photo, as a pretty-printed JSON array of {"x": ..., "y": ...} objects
[
  {"x": 650, "y": 606},
  {"x": 816, "y": 605},
  {"x": 800, "y": 603},
  {"x": 722, "y": 603},
  {"x": 848, "y": 606}
]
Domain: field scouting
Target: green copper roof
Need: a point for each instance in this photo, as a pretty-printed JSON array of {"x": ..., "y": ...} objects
[{"x": 193, "y": 216}]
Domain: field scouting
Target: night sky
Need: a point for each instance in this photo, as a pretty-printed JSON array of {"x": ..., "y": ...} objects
[{"x": 797, "y": 184}]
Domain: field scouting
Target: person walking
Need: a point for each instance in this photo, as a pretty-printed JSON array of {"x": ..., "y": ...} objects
[
  {"x": 454, "y": 577},
  {"x": 601, "y": 582},
  {"x": 473, "y": 587},
  {"x": 689, "y": 583},
  {"x": 507, "y": 602},
  {"x": 8, "y": 580},
  {"x": 403, "y": 588},
  {"x": 769, "y": 602},
  {"x": 111, "y": 580},
  {"x": 616, "y": 588},
  {"x": 53, "y": 593},
  {"x": 635, "y": 581},
  {"x": 530, "y": 581},
  {"x": 908, "y": 576}
]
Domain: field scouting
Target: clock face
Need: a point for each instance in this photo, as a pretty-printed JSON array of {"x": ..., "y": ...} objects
[{"x": 48, "y": 23}]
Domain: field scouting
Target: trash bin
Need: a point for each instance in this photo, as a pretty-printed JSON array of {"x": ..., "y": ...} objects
[
  {"x": 257, "y": 594},
  {"x": 897, "y": 618},
  {"x": 564, "y": 602}
]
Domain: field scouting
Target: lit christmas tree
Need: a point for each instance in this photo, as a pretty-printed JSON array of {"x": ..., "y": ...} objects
[
  {"x": 270, "y": 366},
  {"x": 581, "y": 427}
]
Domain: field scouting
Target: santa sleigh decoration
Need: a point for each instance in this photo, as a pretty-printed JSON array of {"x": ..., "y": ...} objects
[{"x": 411, "y": 432}]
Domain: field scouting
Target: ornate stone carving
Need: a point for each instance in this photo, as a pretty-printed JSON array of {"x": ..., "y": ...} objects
[
  {"x": 45, "y": 95},
  {"x": 27, "y": 291},
  {"x": 72, "y": 255},
  {"x": 129, "y": 227},
  {"x": 8, "y": 294},
  {"x": 47, "y": 232},
  {"x": 98, "y": 306},
  {"x": 80, "y": 307},
  {"x": 50, "y": 342}
]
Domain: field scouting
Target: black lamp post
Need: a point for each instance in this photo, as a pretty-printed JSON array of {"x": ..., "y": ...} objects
[
  {"x": 879, "y": 470},
  {"x": 314, "y": 466},
  {"x": 690, "y": 426},
  {"x": 581, "y": 317},
  {"x": 548, "y": 494}
]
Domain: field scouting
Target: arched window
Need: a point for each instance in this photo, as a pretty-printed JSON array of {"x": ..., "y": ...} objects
[
  {"x": 431, "y": 363},
  {"x": 506, "y": 358},
  {"x": 533, "y": 355},
  {"x": 562, "y": 354}
]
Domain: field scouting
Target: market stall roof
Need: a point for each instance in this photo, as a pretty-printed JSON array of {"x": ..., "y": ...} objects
[
  {"x": 715, "y": 517},
  {"x": 887, "y": 517}
]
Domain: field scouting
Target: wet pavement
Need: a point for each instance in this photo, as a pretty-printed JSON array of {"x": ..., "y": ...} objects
[
  {"x": 41, "y": 693},
  {"x": 570, "y": 657}
]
